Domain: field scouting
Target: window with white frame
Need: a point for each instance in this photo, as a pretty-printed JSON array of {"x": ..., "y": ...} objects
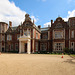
[
  {"x": 58, "y": 35},
  {"x": 36, "y": 46},
  {"x": 2, "y": 28},
  {"x": 18, "y": 36},
  {"x": 2, "y": 37},
  {"x": 11, "y": 46},
  {"x": 36, "y": 35},
  {"x": 25, "y": 33},
  {"x": 16, "y": 46},
  {"x": 72, "y": 46},
  {"x": 9, "y": 37},
  {"x": 7, "y": 47},
  {"x": 43, "y": 46},
  {"x": 73, "y": 22},
  {"x": 45, "y": 36},
  {"x": 72, "y": 34},
  {"x": 58, "y": 46},
  {"x": 29, "y": 32}
]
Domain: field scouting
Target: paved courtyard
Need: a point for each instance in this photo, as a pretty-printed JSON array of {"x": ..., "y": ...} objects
[{"x": 36, "y": 64}]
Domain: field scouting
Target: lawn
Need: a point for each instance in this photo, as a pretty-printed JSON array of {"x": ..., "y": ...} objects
[{"x": 73, "y": 55}]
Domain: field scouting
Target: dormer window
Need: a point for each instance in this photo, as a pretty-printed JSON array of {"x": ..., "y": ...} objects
[{"x": 9, "y": 37}]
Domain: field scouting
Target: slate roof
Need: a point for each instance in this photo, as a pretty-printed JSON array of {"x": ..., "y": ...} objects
[
  {"x": 45, "y": 29},
  {"x": 14, "y": 28}
]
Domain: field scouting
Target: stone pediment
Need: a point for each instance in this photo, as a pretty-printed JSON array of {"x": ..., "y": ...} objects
[
  {"x": 59, "y": 25},
  {"x": 24, "y": 38}
]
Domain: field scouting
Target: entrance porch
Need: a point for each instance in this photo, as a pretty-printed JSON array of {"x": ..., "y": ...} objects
[{"x": 25, "y": 44}]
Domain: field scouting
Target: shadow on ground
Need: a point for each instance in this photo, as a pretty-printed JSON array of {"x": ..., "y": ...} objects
[{"x": 70, "y": 61}]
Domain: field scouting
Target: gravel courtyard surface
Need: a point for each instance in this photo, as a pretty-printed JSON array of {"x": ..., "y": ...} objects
[{"x": 36, "y": 64}]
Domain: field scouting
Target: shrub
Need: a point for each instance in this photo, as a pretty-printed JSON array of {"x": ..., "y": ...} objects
[
  {"x": 13, "y": 51},
  {"x": 66, "y": 50},
  {"x": 43, "y": 52},
  {"x": 69, "y": 51}
]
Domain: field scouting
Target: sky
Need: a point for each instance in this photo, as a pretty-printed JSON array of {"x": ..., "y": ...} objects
[{"x": 42, "y": 11}]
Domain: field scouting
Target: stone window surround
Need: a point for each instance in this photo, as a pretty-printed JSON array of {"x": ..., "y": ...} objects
[
  {"x": 63, "y": 34},
  {"x": 36, "y": 35},
  {"x": 16, "y": 45},
  {"x": 44, "y": 46},
  {"x": 27, "y": 32},
  {"x": 63, "y": 44},
  {"x": 36, "y": 46},
  {"x": 72, "y": 34},
  {"x": 72, "y": 45},
  {"x": 9, "y": 37}
]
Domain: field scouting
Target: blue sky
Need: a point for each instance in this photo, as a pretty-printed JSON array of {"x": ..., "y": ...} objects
[{"x": 44, "y": 10}]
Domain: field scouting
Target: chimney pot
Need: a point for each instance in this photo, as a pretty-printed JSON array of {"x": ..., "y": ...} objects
[
  {"x": 10, "y": 23},
  {"x": 39, "y": 26},
  {"x": 51, "y": 22}
]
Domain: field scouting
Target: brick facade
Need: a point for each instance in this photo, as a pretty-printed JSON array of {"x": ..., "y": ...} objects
[{"x": 60, "y": 35}]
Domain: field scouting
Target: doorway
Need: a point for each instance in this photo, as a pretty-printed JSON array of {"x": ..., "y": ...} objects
[
  {"x": 2, "y": 49},
  {"x": 25, "y": 47}
]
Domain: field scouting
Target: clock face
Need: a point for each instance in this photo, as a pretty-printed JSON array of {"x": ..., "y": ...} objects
[{"x": 58, "y": 19}]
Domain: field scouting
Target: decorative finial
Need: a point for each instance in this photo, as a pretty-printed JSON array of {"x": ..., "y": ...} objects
[
  {"x": 33, "y": 21},
  {"x": 21, "y": 23},
  {"x": 27, "y": 18},
  {"x": 10, "y": 24}
]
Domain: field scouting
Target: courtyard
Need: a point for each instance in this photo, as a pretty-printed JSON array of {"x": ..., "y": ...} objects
[{"x": 36, "y": 64}]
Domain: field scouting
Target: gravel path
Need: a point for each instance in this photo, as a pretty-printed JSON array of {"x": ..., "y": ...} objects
[{"x": 36, "y": 64}]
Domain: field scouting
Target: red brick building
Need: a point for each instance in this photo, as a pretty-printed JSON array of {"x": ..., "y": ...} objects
[{"x": 28, "y": 38}]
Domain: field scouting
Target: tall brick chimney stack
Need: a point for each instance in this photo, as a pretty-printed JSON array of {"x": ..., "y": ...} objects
[
  {"x": 51, "y": 22},
  {"x": 39, "y": 26},
  {"x": 10, "y": 24}
]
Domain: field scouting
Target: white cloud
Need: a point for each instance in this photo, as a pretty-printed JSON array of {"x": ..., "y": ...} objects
[
  {"x": 47, "y": 24},
  {"x": 35, "y": 19},
  {"x": 10, "y": 12},
  {"x": 70, "y": 14}
]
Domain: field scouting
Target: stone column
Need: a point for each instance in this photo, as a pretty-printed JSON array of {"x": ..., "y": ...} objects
[
  {"x": 33, "y": 41},
  {"x": 28, "y": 47},
  {"x": 19, "y": 46},
  {"x": 33, "y": 46}
]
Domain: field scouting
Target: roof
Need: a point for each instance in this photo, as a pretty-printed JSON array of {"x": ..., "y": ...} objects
[
  {"x": 14, "y": 28},
  {"x": 4, "y": 23},
  {"x": 72, "y": 18},
  {"x": 44, "y": 29}
]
